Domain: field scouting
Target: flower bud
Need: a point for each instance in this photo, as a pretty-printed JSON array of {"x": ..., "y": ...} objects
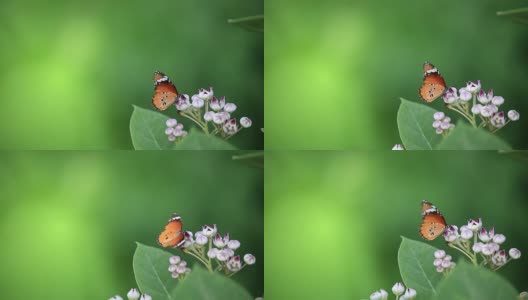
[
  {"x": 249, "y": 259},
  {"x": 515, "y": 253},
  {"x": 171, "y": 122},
  {"x": 398, "y": 289},
  {"x": 233, "y": 244},
  {"x": 513, "y": 115},
  {"x": 230, "y": 107},
  {"x": 499, "y": 238},
  {"x": 438, "y": 116},
  {"x": 133, "y": 294},
  {"x": 145, "y": 297},
  {"x": 245, "y": 122},
  {"x": 439, "y": 254}
]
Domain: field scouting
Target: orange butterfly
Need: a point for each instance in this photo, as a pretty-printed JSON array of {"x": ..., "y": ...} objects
[
  {"x": 433, "y": 83},
  {"x": 172, "y": 236},
  {"x": 433, "y": 223},
  {"x": 165, "y": 92}
]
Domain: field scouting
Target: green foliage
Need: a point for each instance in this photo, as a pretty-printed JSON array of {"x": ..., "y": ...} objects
[
  {"x": 150, "y": 269},
  {"x": 466, "y": 137},
  {"x": 517, "y": 14},
  {"x": 152, "y": 277},
  {"x": 201, "y": 284},
  {"x": 471, "y": 282},
  {"x": 414, "y": 124},
  {"x": 147, "y": 129},
  {"x": 415, "y": 260},
  {"x": 417, "y": 133},
  {"x": 252, "y": 23}
]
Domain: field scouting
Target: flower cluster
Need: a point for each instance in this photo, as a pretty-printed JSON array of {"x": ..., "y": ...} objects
[
  {"x": 208, "y": 246},
  {"x": 473, "y": 239},
  {"x": 473, "y": 103},
  {"x": 398, "y": 290},
  {"x": 178, "y": 267},
  {"x": 442, "y": 261},
  {"x": 133, "y": 294},
  {"x": 205, "y": 110},
  {"x": 174, "y": 130},
  {"x": 442, "y": 123}
]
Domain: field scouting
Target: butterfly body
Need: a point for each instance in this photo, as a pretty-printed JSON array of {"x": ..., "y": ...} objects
[
  {"x": 433, "y": 85},
  {"x": 172, "y": 235},
  {"x": 433, "y": 223},
  {"x": 165, "y": 93}
]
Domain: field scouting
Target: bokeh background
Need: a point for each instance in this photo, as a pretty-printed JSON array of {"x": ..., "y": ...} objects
[
  {"x": 71, "y": 70},
  {"x": 334, "y": 219},
  {"x": 335, "y": 69},
  {"x": 69, "y": 220}
]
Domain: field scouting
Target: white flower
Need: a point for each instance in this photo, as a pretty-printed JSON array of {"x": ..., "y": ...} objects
[
  {"x": 223, "y": 255},
  {"x": 379, "y": 295},
  {"x": 499, "y": 258},
  {"x": 438, "y": 262},
  {"x": 208, "y": 116},
  {"x": 174, "y": 260},
  {"x": 183, "y": 102},
  {"x": 230, "y": 127},
  {"x": 498, "y": 120},
  {"x": 499, "y": 238},
  {"x": 439, "y": 254},
  {"x": 474, "y": 225},
  {"x": 497, "y": 100},
  {"x": 212, "y": 253},
  {"x": 245, "y": 122},
  {"x": 465, "y": 95},
  {"x": 477, "y": 247},
  {"x": 450, "y": 96},
  {"x": 221, "y": 117},
  {"x": 473, "y": 87},
  {"x": 201, "y": 239},
  {"x": 217, "y": 104},
  {"x": 220, "y": 242},
  {"x": 475, "y": 109},
  {"x": 398, "y": 288},
  {"x": 145, "y": 297},
  {"x": 234, "y": 264},
  {"x": 197, "y": 101},
  {"x": 169, "y": 131},
  {"x": 515, "y": 253},
  {"x": 116, "y": 297},
  {"x": 249, "y": 259},
  {"x": 438, "y": 115},
  {"x": 409, "y": 293},
  {"x": 466, "y": 233},
  {"x": 486, "y": 111},
  {"x": 209, "y": 231},
  {"x": 513, "y": 115},
  {"x": 233, "y": 244},
  {"x": 398, "y": 147},
  {"x": 133, "y": 294},
  {"x": 171, "y": 122},
  {"x": 230, "y": 107},
  {"x": 206, "y": 94}
]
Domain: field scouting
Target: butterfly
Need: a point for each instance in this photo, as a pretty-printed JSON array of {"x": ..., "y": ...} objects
[
  {"x": 172, "y": 236},
  {"x": 433, "y": 83},
  {"x": 433, "y": 223},
  {"x": 165, "y": 92}
]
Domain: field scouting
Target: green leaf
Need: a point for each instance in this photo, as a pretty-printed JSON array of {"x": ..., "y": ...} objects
[
  {"x": 466, "y": 137},
  {"x": 197, "y": 140},
  {"x": 203, "y": 285},
  {"x": 415, "y": 123},
  {"x": 153, "y": 277},
  {"x": 415, "y": 260},
  {"x": 147, "y": 130},
  {"x": 252, "y": 23},
  {"x": 151, "y": 272},
  {"x": 471, "y": 282}
]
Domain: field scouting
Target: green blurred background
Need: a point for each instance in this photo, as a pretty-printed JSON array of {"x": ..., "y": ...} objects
[
  {"x": 335, "y": 69},
  {"x": 334, "y": 219},
  {"x": 71, "y": 70},
  {"x": 70, "y": 220}
]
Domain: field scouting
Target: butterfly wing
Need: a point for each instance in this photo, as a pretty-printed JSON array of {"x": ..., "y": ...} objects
[
  {"x": 433, "y": 225},
  {"x": 433, "y": 85},
  {"x": 172, "y": 236},
  {"x": 165, "y": 92}
]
